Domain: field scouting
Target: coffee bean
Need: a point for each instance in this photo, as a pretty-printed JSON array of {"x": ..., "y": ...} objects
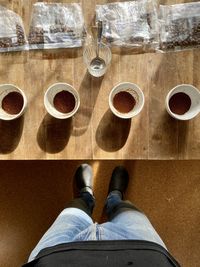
[
  {"x": 36, "y": 35},
  {"x": 6, "y": 42},
  {"x": 189, "y": 28}
]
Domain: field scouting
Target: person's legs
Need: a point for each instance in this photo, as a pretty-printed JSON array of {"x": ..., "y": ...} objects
[
  {"x": 125, "y": 220},
  {"x": 75, "y": 218}
]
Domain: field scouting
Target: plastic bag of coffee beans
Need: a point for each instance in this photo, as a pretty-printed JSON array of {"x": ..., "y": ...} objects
[
  {"x": 130, "y": 24},
  {"x": 179, "y": 26},
  {"x": 56, "y": 25},
  {"x": 12, "y": 33}
]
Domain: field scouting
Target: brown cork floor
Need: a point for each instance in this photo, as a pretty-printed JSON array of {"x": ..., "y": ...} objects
[{"x": 33, "y": 193}]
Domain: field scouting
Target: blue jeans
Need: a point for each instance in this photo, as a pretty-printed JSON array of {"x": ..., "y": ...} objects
[{"x": 75, "y": 224}]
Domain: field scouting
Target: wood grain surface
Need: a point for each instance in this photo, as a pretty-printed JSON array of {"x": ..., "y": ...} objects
[{"x": 94, "y": 133}]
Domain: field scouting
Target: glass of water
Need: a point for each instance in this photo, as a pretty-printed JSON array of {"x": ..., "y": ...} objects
[{"x": 89, "y": 56}]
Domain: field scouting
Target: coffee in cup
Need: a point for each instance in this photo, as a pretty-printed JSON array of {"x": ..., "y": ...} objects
[
  {"x": 12, "y": 102},
  {"x": 61, "y": 101},
  {"x": 180, "y": 103},
  {"x": 64, "y": 102},
  {"x": 126, "y": 100},
  {"x": 183, "y": 102}
]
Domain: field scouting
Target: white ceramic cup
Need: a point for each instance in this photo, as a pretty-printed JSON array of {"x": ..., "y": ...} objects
[
  {"x": 52, "y": 91},
  {"x": 194, "y": 95},
  {"x": 135, "y": 91},
  {"x": 5, "y": 89}
]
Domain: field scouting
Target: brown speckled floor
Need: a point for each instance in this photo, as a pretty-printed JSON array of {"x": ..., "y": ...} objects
[{"x": 33, "y": 193}]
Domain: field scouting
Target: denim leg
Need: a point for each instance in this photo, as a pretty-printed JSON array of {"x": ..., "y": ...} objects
[
  {"x": 127, "y": 222},
  {"x": 68, "y": 225},
  {"x": 115, "y": 204},
  {"x": 85, "y": 202}
]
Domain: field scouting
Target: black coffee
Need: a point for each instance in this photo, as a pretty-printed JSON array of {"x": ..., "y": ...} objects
[
  {"x": 180, "y": 103},
  {"x": 13, "y": 103},
  {"x": 124, "y": 102},
  {"x": 64, "y": 102}
]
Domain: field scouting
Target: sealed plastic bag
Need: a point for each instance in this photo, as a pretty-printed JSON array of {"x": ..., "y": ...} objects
[
  {"x": 130, "y": 24},
  {"x": 56, "y": 25},
  {"x": 180, "y": 26},
  {"x": 12, "y": 33}
]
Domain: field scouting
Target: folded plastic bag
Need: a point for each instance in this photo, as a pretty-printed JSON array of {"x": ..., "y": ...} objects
[
  {"x": 12, "y": 33},
  {"x": 56, "y": 25},
  {"x": 179, "y": 26},
  {"x": 130, "y": 24}
]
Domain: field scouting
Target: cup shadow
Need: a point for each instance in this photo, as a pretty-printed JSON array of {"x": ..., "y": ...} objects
[
  {"x": 112, "y": 132},
  {"x": 183, "y": 130},
  {"x": 10, "y": 134},
  {"x": 53, "y": 134},
  {"x": 88, "y": 99},
  {"x": 176, "y": 134}
]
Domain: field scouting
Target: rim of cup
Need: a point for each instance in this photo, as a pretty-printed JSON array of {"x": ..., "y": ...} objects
[
  {"x": 194, "y": 95},
  {"x": 135, "y": 91},
  {"x": 93, "y": 45},
  {"x": 51, "y": 93},
  {"x": 5, "y": 89}
]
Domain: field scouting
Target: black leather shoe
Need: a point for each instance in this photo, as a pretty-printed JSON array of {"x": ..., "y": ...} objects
[
  {"x": 84, "y": 179},
  {"x": 119, "y": 180}
]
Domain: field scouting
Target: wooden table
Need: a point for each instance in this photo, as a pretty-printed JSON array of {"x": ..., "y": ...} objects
[{"x": 94, "y": 133}]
